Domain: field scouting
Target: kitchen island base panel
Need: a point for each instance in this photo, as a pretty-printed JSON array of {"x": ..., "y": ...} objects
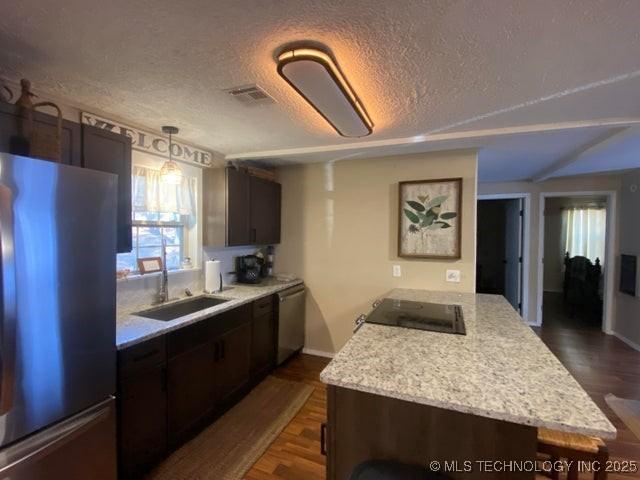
[{"x": 364, "y": 426}]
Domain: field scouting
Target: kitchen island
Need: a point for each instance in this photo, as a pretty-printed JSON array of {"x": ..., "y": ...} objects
[{"x": 419, "y": 396}]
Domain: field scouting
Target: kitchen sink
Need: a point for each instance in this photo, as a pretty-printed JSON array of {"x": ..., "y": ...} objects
[{"x": 180, "y": 309}]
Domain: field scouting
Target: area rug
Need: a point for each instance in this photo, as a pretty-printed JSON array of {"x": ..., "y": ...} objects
[
  {"x": 227, "y": 449},
  {"x": 627, "y": 410}
]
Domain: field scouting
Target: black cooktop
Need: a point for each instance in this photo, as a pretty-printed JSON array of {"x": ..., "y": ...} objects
[{"x": 419, "y": 315}]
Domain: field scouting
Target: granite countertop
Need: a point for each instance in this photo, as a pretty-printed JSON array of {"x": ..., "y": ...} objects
[
  {"x": 131, "y": 329},
  {"x": 500, "y": 369}
]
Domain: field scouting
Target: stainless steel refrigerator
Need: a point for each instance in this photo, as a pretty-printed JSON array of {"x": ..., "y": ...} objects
[{"x": 57, "y": 331}]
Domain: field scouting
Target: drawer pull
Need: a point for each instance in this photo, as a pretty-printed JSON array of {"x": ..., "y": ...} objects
[{"x": 323, "y": 439}]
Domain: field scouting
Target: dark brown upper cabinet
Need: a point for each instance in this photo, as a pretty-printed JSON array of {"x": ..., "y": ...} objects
[
  {"x": 111, "y": 152},
  {"x": 240, "y": 209},
  {"x": 82, "y": 146},
  {"x": 12, "y": 126},
  {"x": 264, "y": 211}
]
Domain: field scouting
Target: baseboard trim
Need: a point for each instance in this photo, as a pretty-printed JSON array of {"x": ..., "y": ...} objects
[
  {"x": 317, "y": 353},
  {"x": 631, "y": 343}
]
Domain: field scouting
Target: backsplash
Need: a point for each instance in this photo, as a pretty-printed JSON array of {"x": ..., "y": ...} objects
[
  {"x": 227, "y": 256},
  {"x": 143, "y": 290},
  {"x": 140, "y": 291}
]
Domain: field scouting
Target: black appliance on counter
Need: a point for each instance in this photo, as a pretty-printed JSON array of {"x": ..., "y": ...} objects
[
  {"x": 419, "y": 315},
  {"x": 249, "y": 269}
]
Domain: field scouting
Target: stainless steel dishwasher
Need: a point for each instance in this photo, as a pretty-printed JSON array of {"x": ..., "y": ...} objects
[{"x": 290, "y": 321}]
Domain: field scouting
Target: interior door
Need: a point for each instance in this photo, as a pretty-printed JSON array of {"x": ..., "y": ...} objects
[{"x": 513, "y": 252}]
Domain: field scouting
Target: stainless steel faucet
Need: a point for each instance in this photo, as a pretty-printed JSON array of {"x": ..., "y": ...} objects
[{"x": 163, "y": 294}]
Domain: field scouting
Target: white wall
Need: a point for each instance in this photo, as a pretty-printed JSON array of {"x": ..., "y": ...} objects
[
  {"x": 627, "y": 323},
  {"x": 590, "y": 183}
]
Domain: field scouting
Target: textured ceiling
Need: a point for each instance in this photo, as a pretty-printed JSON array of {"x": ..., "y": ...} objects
[{"x": 419, "y": 66}]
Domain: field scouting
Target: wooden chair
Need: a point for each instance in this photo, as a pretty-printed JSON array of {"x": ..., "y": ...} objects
[
  {"x": 581, "y": 287},
  {"x": 573, "y": 447}
]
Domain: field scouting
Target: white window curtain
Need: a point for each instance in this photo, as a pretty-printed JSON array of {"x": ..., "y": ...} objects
[
  {"x": 584, "y": 231},
  {"x": 151, "y": 194}
]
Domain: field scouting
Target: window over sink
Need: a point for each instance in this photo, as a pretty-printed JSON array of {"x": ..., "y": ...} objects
[{"x": 161, "y": 210}]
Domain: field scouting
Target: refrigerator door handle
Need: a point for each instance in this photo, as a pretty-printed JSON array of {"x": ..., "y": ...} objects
[
  {"x": 47, "y": 441},
  {"x": 7, "y": 299}
]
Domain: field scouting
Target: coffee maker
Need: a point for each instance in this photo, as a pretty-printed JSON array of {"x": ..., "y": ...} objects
[{"x": 248, "y": 269}]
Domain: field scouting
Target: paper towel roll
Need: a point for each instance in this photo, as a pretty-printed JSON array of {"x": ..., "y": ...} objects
[{"x": 212, "y": 276}]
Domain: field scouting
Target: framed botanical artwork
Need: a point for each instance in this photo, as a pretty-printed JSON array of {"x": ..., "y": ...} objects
[{"x": 430, "y": 218}]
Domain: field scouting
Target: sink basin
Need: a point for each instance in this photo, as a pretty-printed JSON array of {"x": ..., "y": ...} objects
[{"x": 180, "y": 309}]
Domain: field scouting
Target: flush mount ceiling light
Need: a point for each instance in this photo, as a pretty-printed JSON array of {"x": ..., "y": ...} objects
[
  {"x": 315, "y": 76},
  {"x": 170, "y": 172}
]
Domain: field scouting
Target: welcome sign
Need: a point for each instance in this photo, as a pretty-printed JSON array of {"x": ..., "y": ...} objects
[{"x": 151, "y": 142}]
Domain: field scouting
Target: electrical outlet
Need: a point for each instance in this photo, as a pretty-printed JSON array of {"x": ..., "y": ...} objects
[
  {"x": 397, "y": 271},
  {"x": 453, "y": 276}
]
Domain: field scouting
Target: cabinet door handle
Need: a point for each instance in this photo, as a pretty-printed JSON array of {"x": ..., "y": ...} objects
[
  {"x": 323, "y": 439},
  {"x": 254, "y": 234}
]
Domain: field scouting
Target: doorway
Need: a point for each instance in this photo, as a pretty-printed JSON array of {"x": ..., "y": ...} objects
[
  {"x": 574, "y": 262},
  {"x": 502, "y": 251}
]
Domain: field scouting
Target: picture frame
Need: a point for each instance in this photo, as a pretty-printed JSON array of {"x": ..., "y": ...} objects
[
  {"x": 149, "y": 265},
  {"x": 430, "y": 219}
]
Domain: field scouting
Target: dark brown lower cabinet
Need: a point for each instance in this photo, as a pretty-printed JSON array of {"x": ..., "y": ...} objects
[
  {"x": 142, "y": 407},
  {"x": 232, "y": 368},
  {"x": 190, "y": 391},
  {"x": 363, "y": 426},
  {"x": 263, "y": 346},
  {"x": 171, "y": 387}
]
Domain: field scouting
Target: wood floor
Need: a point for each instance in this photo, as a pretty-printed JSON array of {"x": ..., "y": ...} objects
[
  {"x": 295, "y": 454},
  {"x": 601, "y": 363}
]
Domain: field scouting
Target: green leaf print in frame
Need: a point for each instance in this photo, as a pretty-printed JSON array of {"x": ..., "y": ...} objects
[{"x": 430, "y": 218}]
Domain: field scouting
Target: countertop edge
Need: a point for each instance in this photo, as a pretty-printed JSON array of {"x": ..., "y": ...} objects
[
  {"x": 481, "y": 307},
  {"x": 609, "y": 435},
  {"x": 224, "y": 307}
]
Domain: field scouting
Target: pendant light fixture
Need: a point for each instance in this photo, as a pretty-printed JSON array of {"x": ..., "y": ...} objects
[
  {"x": 316, "y": 77},
  {"x": 170, "y": 172}
]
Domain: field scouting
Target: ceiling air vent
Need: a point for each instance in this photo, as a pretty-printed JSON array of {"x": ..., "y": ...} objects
[{"x": 250, "y": 95}]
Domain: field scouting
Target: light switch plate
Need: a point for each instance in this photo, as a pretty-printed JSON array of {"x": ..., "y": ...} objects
[
  {"x": 397, "y": 271},
  {"x": 453, "y": 276}
]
